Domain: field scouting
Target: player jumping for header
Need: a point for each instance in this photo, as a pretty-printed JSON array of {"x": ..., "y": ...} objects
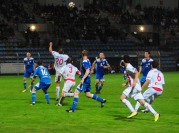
[
  {"x": 85, "y": 83},
  {"x": 134, "y": 90},
  {"x": 60, "y": 61}
]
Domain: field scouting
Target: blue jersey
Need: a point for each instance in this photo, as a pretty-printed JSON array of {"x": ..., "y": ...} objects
[
  {"x": 146, "y": 66},
  {"x": 43, "y": 74},
  {"x": 86, "y": 64},
  {"x": 29, "y": 64},
  {"x": 100, "y": 63}
]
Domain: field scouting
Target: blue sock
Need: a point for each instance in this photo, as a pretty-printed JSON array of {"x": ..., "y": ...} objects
[
  {"x": 32, "y": 85},
  {"x": 99, "y": 88},
  {"x": 124, "y": 77},
  {"x": 25, "y": 84},
  {"x": 95, "y": 97},
  {"x": 47, "y": 98},
  {"x": 33, "y": 97},
  {"x": 75, "y": 102}
]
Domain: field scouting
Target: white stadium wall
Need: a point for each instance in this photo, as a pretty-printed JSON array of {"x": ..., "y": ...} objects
[
  {"x": 11, "y": 68},
  {"x": 157, "y": 3}
]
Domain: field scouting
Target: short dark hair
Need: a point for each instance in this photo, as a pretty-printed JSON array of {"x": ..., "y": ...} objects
[
  {"x": 61, "y": 51},
  {"x": 69, "y": 60},
  {"x": 155, "y": 64},
  {"x": 84, "y": 53},
  {"x": 40, "y": 62},
  {"x": 126, "y": 58},
  {"x": 147, "y": 51}
]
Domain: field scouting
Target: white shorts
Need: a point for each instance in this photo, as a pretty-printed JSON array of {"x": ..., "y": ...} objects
[
  {"x": 68, "y": 85},
  {"x": 136, "y": 94},
  {"x": 56, "y": 76},
  {"x": 151, "y": 92}
]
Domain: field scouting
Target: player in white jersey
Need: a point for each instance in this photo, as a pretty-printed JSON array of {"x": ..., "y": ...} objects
[
  {"x": 155, "y": 82},
  {"x": 134, "y": 90},
  {"x": 60, "y": 61},
  {"x": 68, "y": 72}
]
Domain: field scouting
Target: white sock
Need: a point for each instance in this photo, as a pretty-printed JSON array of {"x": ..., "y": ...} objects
[
  {"x": 57, "y": 92},
  {"x": 137, "y": 106},
  {"x": 148, "y": 106},
  {"x": 128, "y": 104},
  {"x": 69, "y": 94}
]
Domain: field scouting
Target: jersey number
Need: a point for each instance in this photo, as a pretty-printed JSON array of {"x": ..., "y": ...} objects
[
  {"x": 44, "y": 72},
  {"x": 70, "y": 71},
  {"x": 159, "y": 77},
  {"x": 59, "y": 61}
]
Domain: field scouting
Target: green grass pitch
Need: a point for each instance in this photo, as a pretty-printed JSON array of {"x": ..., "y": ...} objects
[{"x": 18, "y": 116}]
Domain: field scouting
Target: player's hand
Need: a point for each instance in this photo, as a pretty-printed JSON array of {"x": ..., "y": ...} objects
[
  {"x": 105, "y": 67},
  {"x": 50, "y": 43},
  {"x": 134, "y": 84},
  {"x": 82, "y": 81}
]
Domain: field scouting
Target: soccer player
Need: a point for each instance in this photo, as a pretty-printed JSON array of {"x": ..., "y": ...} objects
[
  {"x": 44, "y": 83},
  {"x": 100, "y": 64},
  {"x": 134, "y": 90},
  {"x": 155, "y": 82},
  {"x": 29, "y": 66},
  {"x": 145, "y": 66},
  {"x": 68, "y": 72},
  {"x": 60, "y": 61},
  {"x": 85, "y": 84},
  {"x": 123, "y": 69}
]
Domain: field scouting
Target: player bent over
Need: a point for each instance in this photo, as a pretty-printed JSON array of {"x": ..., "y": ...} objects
[
  {"x": 100, "y": 64},
  {"x": 155, "y": 82},
  {"x": 68, "y": 72},
  {"x": 44, "y": 83},
  {"x": 85, "y": 83},
  {"x": 134, "y": 90},
  {"x": 29, "y": 66}
]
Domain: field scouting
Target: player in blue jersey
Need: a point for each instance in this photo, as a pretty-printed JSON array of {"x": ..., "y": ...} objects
[
  {"x": 44, "y": 84},
  {"x": 145, "y": 67},
  {"x": 85, "y": 86},
  {"x": 100, "y": 64},
  {"x": 29, "y": 66}
]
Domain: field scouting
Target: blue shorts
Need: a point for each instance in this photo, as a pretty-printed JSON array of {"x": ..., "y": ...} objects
[
  {"x": 84, "y": 87},
  {"x": 143, "y": 79},
  {"x": 123, "y": 70},
  {"x": 42, "y": 85},
  {"x": 28, "y": 74},
  {"x": 100, "y": 77}
]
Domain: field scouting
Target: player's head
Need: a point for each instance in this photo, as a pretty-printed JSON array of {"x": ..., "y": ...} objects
[
  {"x": 28, "y": 54},
  {"x": 147, "y": 54},
  {"x": 154, "y": 64},
  {"x": 69, "y": 60},
  {"x": 40, "y": 63},
  {"x": 84, "y": 53},
  {"x": 126, "y": 59},
  {"x": 101, "y": 55},
  {"x": 61, "y": 51}
]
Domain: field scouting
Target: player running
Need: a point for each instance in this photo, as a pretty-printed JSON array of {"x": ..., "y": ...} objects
[
  {"x": 100, "y": 64},
  {"x": 85, "y": 84},
  {"x": 68, "y": 72},
  {"x": 134, "y": 90},
  {"x": 155, "y": 82},
  {"x": 145, "y": 66},
  {"x": 29, "y": 66},
  {"x": 60, "y": 61},
  {"x": 44, "y": 83},
  {"x": 123, "y": 69}
]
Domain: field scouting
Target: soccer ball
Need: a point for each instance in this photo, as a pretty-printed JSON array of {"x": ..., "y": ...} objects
[{"x": 71, "y": 4}]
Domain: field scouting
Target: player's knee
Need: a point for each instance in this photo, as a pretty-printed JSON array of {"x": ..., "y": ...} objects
[
  {"x": 142, "y": 102},
  {"x": 88, "y": 95}
]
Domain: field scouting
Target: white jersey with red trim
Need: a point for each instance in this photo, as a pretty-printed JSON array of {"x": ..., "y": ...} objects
[
  {"x": 60, "y": 60},
  {"x": 130, "y": 72},
  {"x": 156, "y": 78},
  {"x": 69, "y": 71}
]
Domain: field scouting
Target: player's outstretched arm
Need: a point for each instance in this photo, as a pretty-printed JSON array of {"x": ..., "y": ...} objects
[
  {"x": 136, "y": 78},
  {"x": 50, "y": 47},
  {"x": 86, "y": 74},
  {"x": 108, "y": 66},
  {"x": 92, "y": 68},
  {"x": 140, "y": 69}
]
